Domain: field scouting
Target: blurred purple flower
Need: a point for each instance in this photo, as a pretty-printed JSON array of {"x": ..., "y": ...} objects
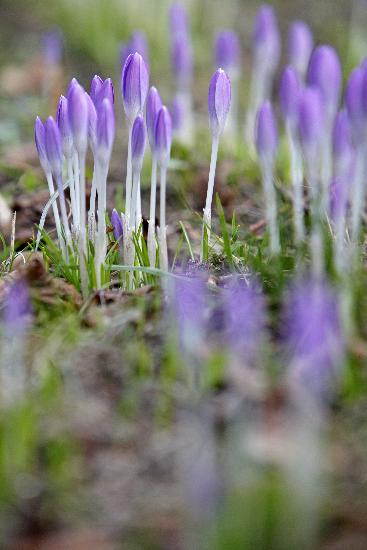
[
  {"x": 245, "y": 315},
  {"x": 138, "y": 142},
  {"x": 300, "y": 44},
  {"x": 325, "y": 73},
  {"x": 354, "y": 104},
  {"x": 105, "y": 130},
  {"x": 338, "y": 198},
  {"x": 314, "y": 336},
  {"x": 163, "y": 136},
  {"x": 154, "y": 103},
  {"x": 177, "y": 113},
  {"x": 266, "y": 37},
  {"x": 136, "y": 43},
  {"x": 190, "y": 297},
  {"x": 17, "y": 309},
  {"x": 52, "y": 46},
  {"x": 116, "y": 223},
  {"x": 289, "y": 91},
  {"x": 266, "y": 131}
]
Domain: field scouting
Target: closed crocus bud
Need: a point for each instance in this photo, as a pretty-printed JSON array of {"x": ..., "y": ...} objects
[
  {"x": 265, "y": 38},
  {"x": 105, "y": 130},
  {"x": 266, "y": 131},
  {"x": 354, "y": 104},
  {"x": 53, "y": 146},
  {"x": 106, "y": 91},
  {"x": 92, "y": 123},
  {"x": 62, "y": 119},
  {"x": 300, "y": 45},
  {"x": 78, "y": 116},
  {"x": 116, "y": 223},
  {"x": 163, "y": 136},
  {"x": 134, "y": 85},
  {"x": 219, "y": 101},
  {"x": 310, "y": 117},
  {"x": 137, "y": 43},
  {"x": 227, "y": 50},
  {"x": 40, "y": 139},
  {"x": 154, "y": 103},
  {"x": 138, "y": 142},
  {"x": 289, "y": 94},
  {"x": 95, "y": 87},
  {"x": 324, "y": 72}
]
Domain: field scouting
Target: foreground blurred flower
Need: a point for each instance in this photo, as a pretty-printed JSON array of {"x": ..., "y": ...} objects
[
  {"x": 314, "y": 337},
  {"x": 219, "y": 100},
  {"x": 267, "y": 145},
  {"x": 16, "y": 319}
]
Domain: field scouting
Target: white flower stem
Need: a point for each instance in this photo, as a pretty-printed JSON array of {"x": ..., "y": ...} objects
[
  {"x": 134, "y": 199},
  {"x": 77, "y": 187},
  {"x": 72, "y": 190},
  {"x": 139, "y": 215},
  {"x": 64, "y": 215},
  {"x": 82, "y": 201},
  {"x": 93, "y": 193},
  {"x": 163, "y": 252},
  {"x": 267, "y": 168},
  {"x": 55, "y": 209},
  {"x": 151, "y": 222},
  {"x": 297, "y": 183},
  {"x": 128, "y": 177},
  {"x": 209, "y": 195}
]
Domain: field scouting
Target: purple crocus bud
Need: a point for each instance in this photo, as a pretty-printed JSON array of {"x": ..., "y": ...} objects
[
  {"x": 177, "y": 113},
  {"x": 219, "y": 101},
  {"x": 314, "y": 337},
  {"x": 300, "y": 45},
  {"x": 40, "y": 139},
  {"x": 324, "y": 72},
  {"x": 134, "y": 86},
  {"x": 116, "y": 223},
  {"x": 245, "y": 320},
  {"x": 95, "y": 87},
  {"x": 17, "y": 308},
  {"x": 78, "y": 116},
  {"x": 62, "y": 119},
  {"x": 136, "y": 43},
  {"x": 106, "y": 91},
  {"x": 266, "y": 38},
  {"x": 163, "y": 136},
  {"x": 266, "y": 132},
  {"x": 154, "y": 103},
  {"x": 105, "y": 131},
  {"x": 92, "y": 123},
  {"x": 354, "y": 103},
  {"x": 289, "y": 94},
  {"x": 310, "y": 117},
  {"x": 227, "y": 50},
  {"x": 53, "y": 146},
  {"x": 138, "y": 142},
  {"x": 182, "y": 59}
]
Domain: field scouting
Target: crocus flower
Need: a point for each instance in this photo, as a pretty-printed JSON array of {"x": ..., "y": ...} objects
[
  {"x": 245, "y": 321},
  {"x": 300, "y": 45},
  {"x": 17, "y": 309},
  {"x": 219, "y": 101},
  {"x": 138, "y": 143},
  {"x": 177, "y": 114},
  {"x": 95, "y": 87},
  {"x": 324, "y": 72},
  {"x": 267, "y": 144},
  {"x": 289, "y": 94},
  {"x": 54, "y": 156},
  {"x": 354, "y": 104},
  {"x": 78, "y": 116},
  {"x": 227, "y": 50},
  {"x": 52, "y": 46},
  {"x": 163, "y": 142},
  {"x": 40, "y": 140},
  {"x": 154, "y": 104},
  {"x": 311, "y": 120},
  {"x": 116, "y": 223},
  {"x": 62, "y": 119},
  {"x": 314, "y": 337},
  {"x": 134, "y": 85},
  {"x": 105, "y": 131}
]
